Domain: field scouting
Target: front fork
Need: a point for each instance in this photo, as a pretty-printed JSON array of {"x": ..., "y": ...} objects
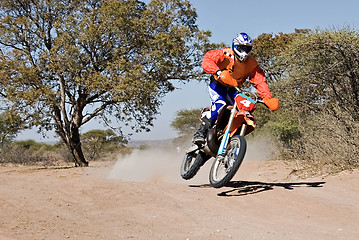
[{"x": 223, "y": 146}]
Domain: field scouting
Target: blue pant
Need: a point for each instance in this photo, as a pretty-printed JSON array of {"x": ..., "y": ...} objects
[{"x": 220, "y": 96}]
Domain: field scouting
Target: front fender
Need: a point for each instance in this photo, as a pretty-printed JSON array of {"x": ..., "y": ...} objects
[{"x": 239, "y": 119}]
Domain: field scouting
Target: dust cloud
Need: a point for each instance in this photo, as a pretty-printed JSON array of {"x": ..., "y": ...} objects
[
  {"x": 260, "y": 149},
  {"x": 161, "y": 161},
  {"x": 155, "y": 163}
]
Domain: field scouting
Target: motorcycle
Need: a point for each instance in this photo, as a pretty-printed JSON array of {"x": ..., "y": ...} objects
[{"x": 225, "y": 142}]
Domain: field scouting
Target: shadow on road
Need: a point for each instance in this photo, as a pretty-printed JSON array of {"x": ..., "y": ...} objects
[{"x": 242, "y": 188}]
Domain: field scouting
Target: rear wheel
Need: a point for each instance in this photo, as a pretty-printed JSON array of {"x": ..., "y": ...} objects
[
  {"x": 225, "y": 167},
  {"x": 191, "y": 163}
]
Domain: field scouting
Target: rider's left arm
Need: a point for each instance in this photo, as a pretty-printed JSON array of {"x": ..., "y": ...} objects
[{"x": 259, "y": 82}]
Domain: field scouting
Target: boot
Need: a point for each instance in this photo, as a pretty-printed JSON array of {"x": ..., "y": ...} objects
[{"x": 199, "y": 137}]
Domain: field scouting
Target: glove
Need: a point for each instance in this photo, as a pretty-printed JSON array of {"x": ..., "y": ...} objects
[
  {"x": 272, "y": 103},
  {"x": 244, "y": 104},
  {"x": 226, "y": 79}
]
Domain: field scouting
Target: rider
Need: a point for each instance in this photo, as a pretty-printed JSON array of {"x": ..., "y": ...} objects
[{"x": 231, "y": 67}]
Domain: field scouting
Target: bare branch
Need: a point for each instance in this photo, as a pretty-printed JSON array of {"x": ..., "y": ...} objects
[{"x": 96, "y": 112}]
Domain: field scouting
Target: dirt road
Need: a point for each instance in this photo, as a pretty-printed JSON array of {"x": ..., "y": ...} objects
[{"x": 102, "y": 202}]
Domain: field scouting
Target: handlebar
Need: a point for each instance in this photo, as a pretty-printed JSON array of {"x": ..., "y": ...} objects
[
  {"x": 255, "y": 98},
  {"x": 273, "y": 105}
]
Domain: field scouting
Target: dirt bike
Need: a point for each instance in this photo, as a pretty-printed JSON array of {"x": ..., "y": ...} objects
[{"x": 225, "y": 142}]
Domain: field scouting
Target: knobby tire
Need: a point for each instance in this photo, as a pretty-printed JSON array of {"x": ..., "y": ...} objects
[
  {"x": 191, "y": 164},
  {"x": 235, "y": 142}
]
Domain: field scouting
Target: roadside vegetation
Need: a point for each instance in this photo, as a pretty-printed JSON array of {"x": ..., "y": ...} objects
[{"x": 98, "y": 145}]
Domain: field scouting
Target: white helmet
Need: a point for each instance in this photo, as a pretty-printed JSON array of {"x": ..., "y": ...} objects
[{"x": 242, "y": 46}]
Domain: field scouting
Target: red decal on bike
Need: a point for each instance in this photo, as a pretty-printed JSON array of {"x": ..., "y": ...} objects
[{"x": 244, "y": 104}]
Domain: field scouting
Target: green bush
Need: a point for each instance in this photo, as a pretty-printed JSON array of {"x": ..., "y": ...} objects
[{"x": 102, "y": 143}]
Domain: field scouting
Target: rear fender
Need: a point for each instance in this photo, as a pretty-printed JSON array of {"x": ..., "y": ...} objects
[{"x": 192, "y": 149}]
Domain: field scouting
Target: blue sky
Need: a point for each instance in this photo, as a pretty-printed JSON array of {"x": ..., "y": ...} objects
[{"x": 226, "y": 18}]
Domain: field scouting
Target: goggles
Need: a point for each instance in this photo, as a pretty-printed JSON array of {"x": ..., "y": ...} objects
[{"x": 243, "y": 48}]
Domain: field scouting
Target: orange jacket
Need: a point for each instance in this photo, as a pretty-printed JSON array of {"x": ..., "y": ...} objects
[{"x": 215, "y": 60}]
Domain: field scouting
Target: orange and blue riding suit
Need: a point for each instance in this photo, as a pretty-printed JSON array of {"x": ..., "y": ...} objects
[
  {"x": 220, "y": 60},
  {"x": 230, "y": 68}
]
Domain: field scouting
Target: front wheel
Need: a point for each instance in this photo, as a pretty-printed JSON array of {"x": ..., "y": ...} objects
[
  {"x": 192, "y": 163},
  {"x": 225, "y": 167}
]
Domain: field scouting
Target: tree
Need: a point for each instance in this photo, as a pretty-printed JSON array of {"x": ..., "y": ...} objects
[
  {"x": 9, "y": 128},
  {"x": 325, "y": 72},
  {"x": 64, "y": 63},
  {"x": 186, "y": 121},
  {"x": 268, "y": 49},
  {"x": 322, "y": 95},
  {"x": 100, "y": 141}
]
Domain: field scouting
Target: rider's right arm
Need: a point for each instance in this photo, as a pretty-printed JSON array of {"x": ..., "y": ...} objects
[{"x": 211, "y": 60}]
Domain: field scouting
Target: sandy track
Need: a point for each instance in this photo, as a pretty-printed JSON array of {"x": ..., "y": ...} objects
[{"x": 96, "y": 203}]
